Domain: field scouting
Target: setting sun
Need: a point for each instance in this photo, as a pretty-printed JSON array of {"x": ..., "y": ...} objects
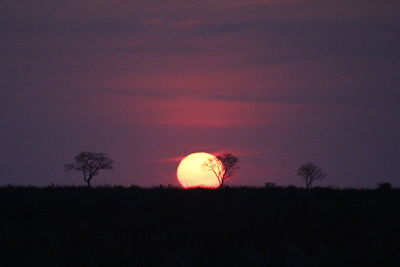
[{"x": 192, "y": 173}]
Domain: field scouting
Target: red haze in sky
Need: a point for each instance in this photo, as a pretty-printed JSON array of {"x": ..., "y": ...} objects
[{"x": 278, "y": 83}]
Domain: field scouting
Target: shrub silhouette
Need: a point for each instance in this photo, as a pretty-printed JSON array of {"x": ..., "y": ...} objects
[{"x": 384, "y": 186}]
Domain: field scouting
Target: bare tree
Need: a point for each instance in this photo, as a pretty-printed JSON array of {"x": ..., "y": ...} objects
[
  {"x": 223, "y": 167},
  {"x": 310, "y": 173},
  {"x": 90, "y": 163}
]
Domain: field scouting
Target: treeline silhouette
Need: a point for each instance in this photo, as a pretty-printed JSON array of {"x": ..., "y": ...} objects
[
  {"x": 117, "y": 226},
  {"x": 222, "y": 166}
]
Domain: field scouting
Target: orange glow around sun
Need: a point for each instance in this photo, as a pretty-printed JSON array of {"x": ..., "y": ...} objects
[{"x": 191, "y": 172}]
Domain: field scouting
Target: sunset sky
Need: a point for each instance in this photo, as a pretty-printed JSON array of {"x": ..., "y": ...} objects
[{"x": 275, "y": 82}]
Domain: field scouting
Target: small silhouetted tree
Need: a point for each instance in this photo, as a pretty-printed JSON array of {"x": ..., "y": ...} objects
[
  {"x": 310, "y": 173},
  {"x": 90, "y": 163},
  {"x": 223, "y": 166}
]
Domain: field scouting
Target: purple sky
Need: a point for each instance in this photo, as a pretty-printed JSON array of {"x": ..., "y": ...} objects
[{"x": 278, "y": 83}]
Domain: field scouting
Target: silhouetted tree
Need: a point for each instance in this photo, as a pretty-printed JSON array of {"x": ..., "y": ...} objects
[
  {"x": 223, "y": 166},
  {"x": 310, "y": 172},
  {"x": 90, "y": 163}
]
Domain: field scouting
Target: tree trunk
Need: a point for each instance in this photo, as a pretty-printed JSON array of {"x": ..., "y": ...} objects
[
  {"x": 308, "y": 183},
  {"x": 221, "y": 184}
]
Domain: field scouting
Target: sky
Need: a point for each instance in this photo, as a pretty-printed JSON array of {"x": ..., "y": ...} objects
[{"x": 275, "y": 82}]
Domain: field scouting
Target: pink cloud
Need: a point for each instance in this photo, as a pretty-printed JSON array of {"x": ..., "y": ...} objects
[
  {"x": 185, "y": 111},
  {"x": 172, "y": 159},
  {"x": 202, "y": 113}
]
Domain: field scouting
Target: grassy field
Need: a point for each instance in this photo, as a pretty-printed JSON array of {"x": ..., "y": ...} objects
[{"x": 115, "y": 226}]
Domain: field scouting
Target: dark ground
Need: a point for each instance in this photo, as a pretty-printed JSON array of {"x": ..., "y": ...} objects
[{"x": 118, "y": 226}]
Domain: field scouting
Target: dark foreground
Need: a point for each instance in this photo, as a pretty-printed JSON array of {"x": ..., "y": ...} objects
[{"x": 173, "y": 227}]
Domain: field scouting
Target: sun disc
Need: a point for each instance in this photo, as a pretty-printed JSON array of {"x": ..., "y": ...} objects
[{"x": 192, "y": 173}]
